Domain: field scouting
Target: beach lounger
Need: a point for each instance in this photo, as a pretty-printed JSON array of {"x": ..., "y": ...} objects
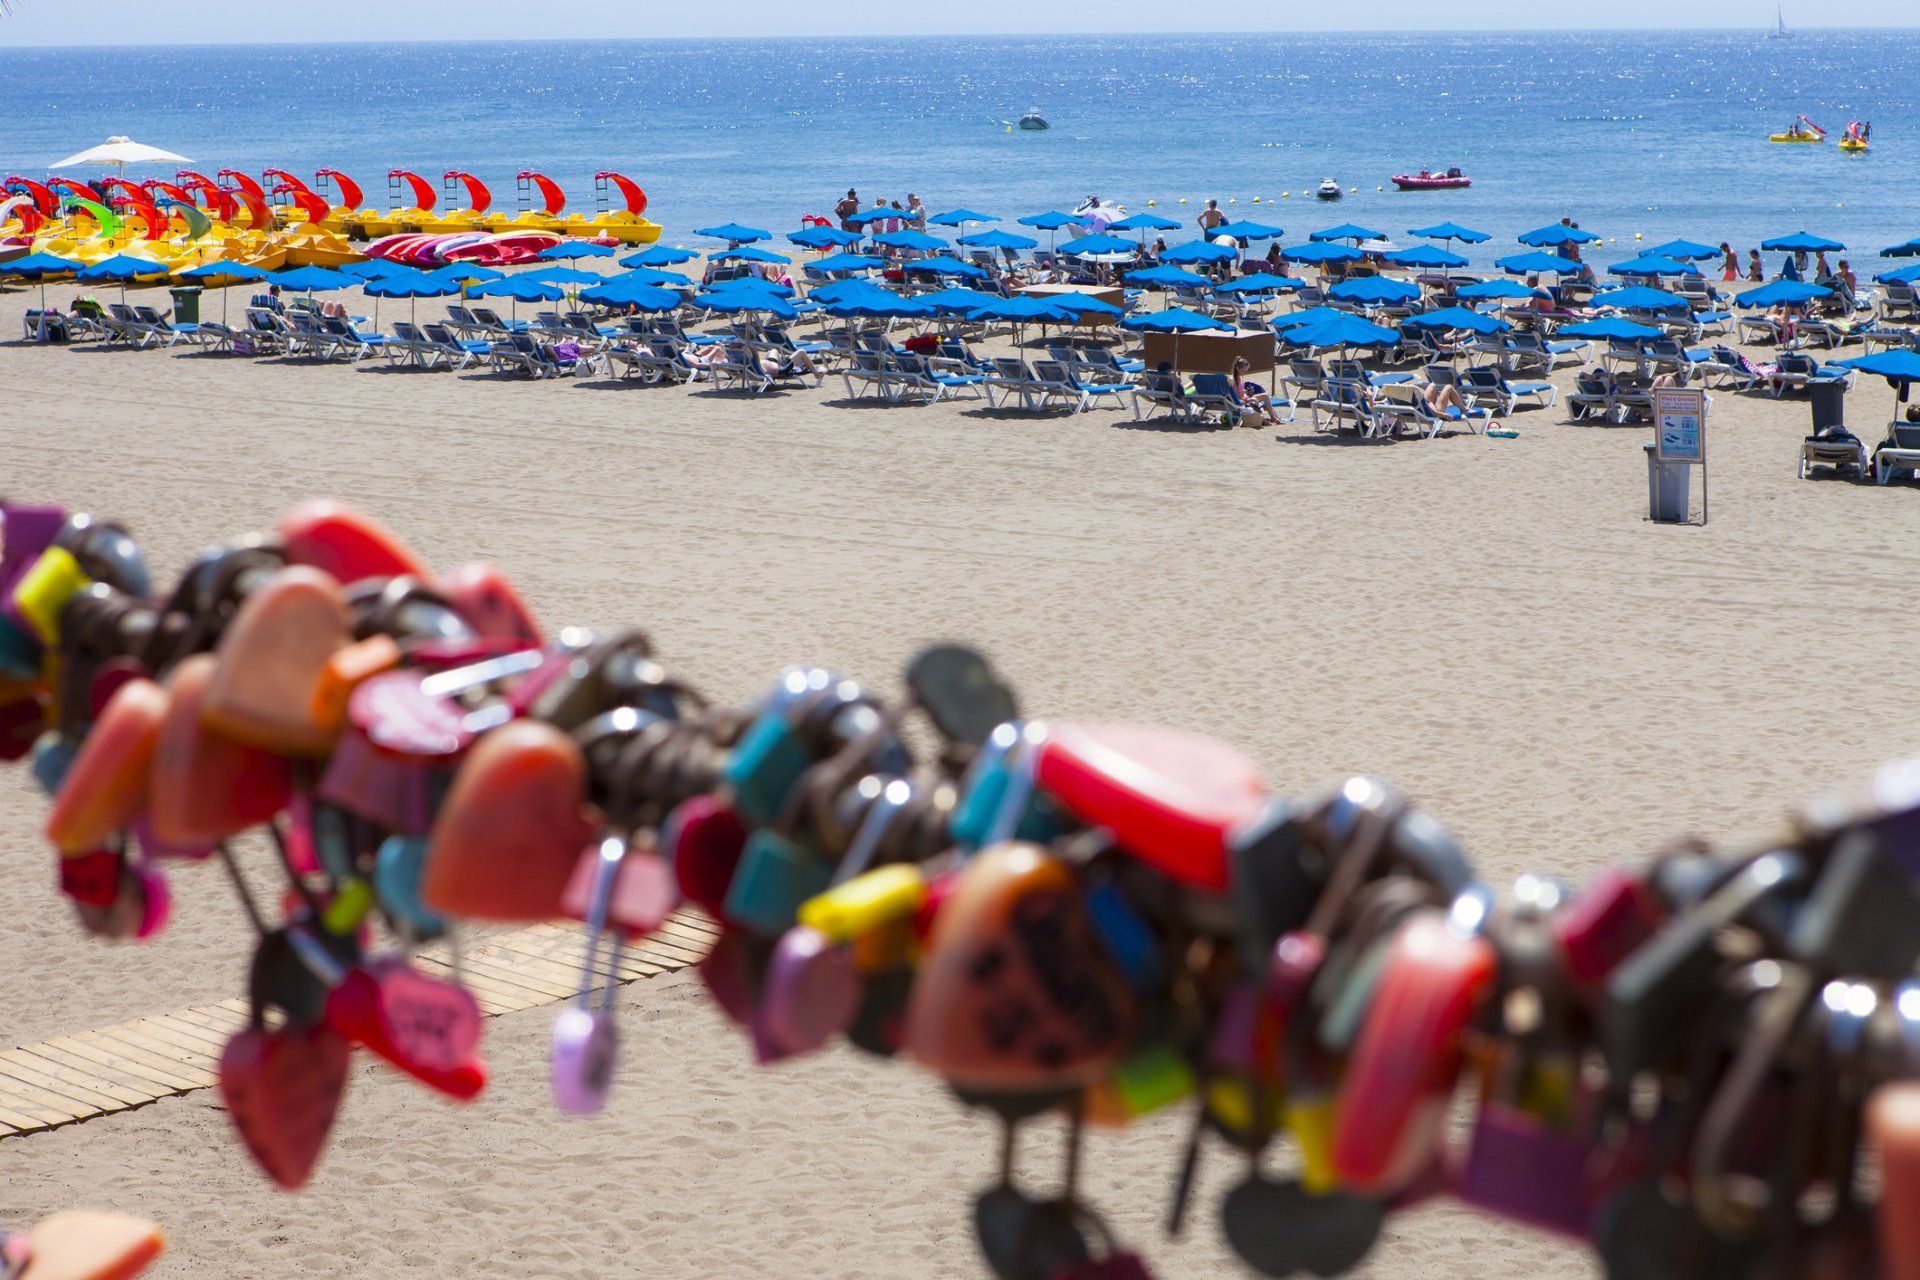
[
  {"x": 1839, "y": 450},
  {"x": 451, "y": 350},
  {"x": 122, "y": 325},
  {"x": 867, "y": 373},
  {"x": 266, "y": 333},
  {"x": 1343, "y": 400},
  {"x": 934, "y": 379},
  {"x": 46, "y": 326},
  {"x": 347, "y": 343},
  {"x": 1899, "y": 302},
  {"x": 1592, "y": 396},
  {"x": 1011, "y": 377},
  {"x": 406, "y": 345},
  {"x": 740, "y": 369},
  {"x": 1484, "y": 384},
  {"x": 493, "y": 325},
  {"x": 1303, "y": 381},
  {"x": 1900, "y": 451},
  {"x": 1796, "y": 371},
  {"x": 1165, "y": 391},
  {"x": 1733, "y": 370},
  {"x": 1530, "y": 350},
  {"x": 1058, "y": 383},
  {"x": 1405, "y": 405},
  {"x": 1750, "y": 329},
  {"x": 1213, "y": 393},
  {"x": 166, "y": 333}
]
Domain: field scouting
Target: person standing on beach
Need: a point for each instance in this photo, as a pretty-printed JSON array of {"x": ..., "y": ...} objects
[
  {"x": 1210, "y": 217},
  {"x": 1729, "y": 262},
  {"x": 1755, "y": 272},
  {"x": 916, "y": 212},
  {"x": 846, "y": 209},
  {"x": 893, "y": 223}
]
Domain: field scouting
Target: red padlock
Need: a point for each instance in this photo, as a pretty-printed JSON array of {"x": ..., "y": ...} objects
[
  {"x": 333, "y": 537},
  {"x": 106, "y": 786},
  {"x": 489, "y": 603},
  {"x": 206, "y": 787},
  {"x": 396, "y": 754},
  {"x": 703, "y": 839}
]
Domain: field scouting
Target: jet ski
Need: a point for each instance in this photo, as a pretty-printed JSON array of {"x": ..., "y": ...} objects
[{"x": 1328, "y": 190}]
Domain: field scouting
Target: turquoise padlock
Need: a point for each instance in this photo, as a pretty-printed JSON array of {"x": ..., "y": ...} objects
[
  {"x": 765, "y": 767},
  {"x": 996, "y": 781},
  {"x": 331, "y": 845},
  {"x": 19, "y": 651},
  {"x": 53, "y": 754},
  {"x": 774, "y": 877},
  {"x": 397, "y": 868}
]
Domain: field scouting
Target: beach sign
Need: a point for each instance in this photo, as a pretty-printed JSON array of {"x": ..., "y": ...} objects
[{"x": 1679, "y": 442}]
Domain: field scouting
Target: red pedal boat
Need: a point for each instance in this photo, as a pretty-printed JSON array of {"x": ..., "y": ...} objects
[{"x": 1427, "y": 180}]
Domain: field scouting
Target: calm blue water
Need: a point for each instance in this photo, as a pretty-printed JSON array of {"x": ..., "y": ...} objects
[{"x": 1662, "y": 134}]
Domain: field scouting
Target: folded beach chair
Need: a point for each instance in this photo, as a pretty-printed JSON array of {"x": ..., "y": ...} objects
[
  {"x": 1164, "y": 390},
  {"x": 1057, "y": 382},
  {"x": 1900, "y": 451}
]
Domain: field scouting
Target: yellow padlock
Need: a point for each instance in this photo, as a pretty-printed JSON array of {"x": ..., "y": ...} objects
[
  {"x": 43, "y": 591},
  {"x": 1151, "y": 1079},
  {"x": 1310, "y": 1121},
  {"x": 1230, "y": 1101},
  {"x": 891, "y": 947},
  {"x": 348, "y": 908},
  {"x": 866, "y": 902}
]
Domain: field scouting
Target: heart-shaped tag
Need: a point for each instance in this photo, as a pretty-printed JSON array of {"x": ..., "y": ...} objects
[
  {"x": 346, "y": 544},
  {"x": 511, "y": 828},
  {"x": 704, "y": 840},
  {"x": 270, "y": 660},
  {"x": 644, "y": 891},
  {"x": 207, "y": 787},
  {"x": 489, "y": 603},
  {"x": 1169, "y": 797},
  {"x": 282, "y": 1089},
  {"x": 90, "y": 1244},
  {"x": 425, "y": 1027},
  {"x": 811, "y": 993},
  {"x": 106, "y": 786},
  {"x": 1013, "y": 992},
  {"x": 586, "y": 1048}
]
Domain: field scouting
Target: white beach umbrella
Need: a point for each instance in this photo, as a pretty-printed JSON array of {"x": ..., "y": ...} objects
[{"x": 120, "y": 151}]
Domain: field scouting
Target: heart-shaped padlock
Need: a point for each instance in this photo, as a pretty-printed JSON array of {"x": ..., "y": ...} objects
[
  {"x": 270, "y": 661},
  {"x": 391, "y": 763},
  {"x": 703, "y": 839},
  {"x": 347, "y": 545},
  {"x": 106, "y": 787},
  {"x": 205, "y": 786},
  {"x": 490, "y": 604},
  {"x": 282, "y": 1089},
  {"x": 511, "y": 827},
  {"x": 425, "y": 1026},
  {"x": 810, "y": 994}
]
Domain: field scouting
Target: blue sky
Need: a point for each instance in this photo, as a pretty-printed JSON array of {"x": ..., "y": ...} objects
[{"x": 41, "y": 22}]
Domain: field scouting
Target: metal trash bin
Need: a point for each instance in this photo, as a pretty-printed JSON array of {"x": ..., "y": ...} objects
[
  {"x": 1828, "y": 402},
  {"x": 1669, "y": 489},
  {"x": 186, "y": 303}
]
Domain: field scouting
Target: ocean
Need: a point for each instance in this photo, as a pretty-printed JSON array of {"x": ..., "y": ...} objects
[{"x": 1650, "y": 134}]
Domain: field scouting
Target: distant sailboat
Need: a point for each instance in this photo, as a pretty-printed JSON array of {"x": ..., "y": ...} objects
[{"x": 1779, "y": 31}]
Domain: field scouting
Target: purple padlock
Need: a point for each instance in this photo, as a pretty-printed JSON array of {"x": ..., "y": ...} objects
[
  {"x": 1522, "y": 1168},
  {"x": 811, "y": 993},
  {"x": 585, "y": 1047}
]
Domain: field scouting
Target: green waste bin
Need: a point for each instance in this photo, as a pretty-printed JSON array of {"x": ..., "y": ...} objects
[{"x": 186, "y": 304}]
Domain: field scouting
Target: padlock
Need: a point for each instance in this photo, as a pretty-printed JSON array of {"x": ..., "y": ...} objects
[
  {"x": 1169, "y": 798},
  {"x": 43, "y": 591},
  {"x": 392, "y": 761},
  {"x": 345, "y": 544},
  {"x": 960, "y": 693},
  {"x": 427, "y": 1027},
  {"x": 511, "y": 827},
  {"x": 866, "y": 903},
  {"x": 703, "y": 840},
  {"x": 206, "y": 787},
  {"x": 998, "y": 798},
  {"x": 772, "y": 754},
  {"x": 1281, "y": 1228},
  {"x": 270, "y": 660},
  {"x": 1128, "y": 940},
  {"x": 490, "y": 604},
  {"x": 776, "y": 874},
  {"x": 397, "y": 870},
  {"x": 1392, "y": 1101},
  {"x": 26, "y": 530},
  {"x": 585, "y": 1046},
  {"x": 106, "y": 552},
  {"x": 643, "y": 894},
  {"x": 1605, "y": 923},
  {"x": 52, "y": 755},
  {"x": 1893, "y": 1122},
  {"x": 282, "y": 1089},
  {"x": 107, "y": 785},
  {"x": 810, "y": 994},
  {"x": 1273, "y": 888},
  {"x": 345, "y": 671},
  {"x": 92, "y": 878},
  {"x": 583, "y": 682},
  {"x": 1013, "y": 992},
  {"x": 1862, "y": 914},
  {"x": 86, "y": 1244}
]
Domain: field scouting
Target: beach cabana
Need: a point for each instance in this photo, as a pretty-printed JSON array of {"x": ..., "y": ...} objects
[
  {"x": 1529, "y": 264},
  {"x": 1346, "y": 231},
  {"x": 1451, "y": 231},
  {"x": 1555, "y": 234},
  {"x": 659, "y": 255},
  {"x": 734, "y": 233},
  {"x": 570, "y": 250},
  {"x": 1802, "y": 242},
  {"x": 1427, "y": 256},
  {"x": 821, "y": 238},
  {"x": 1199, "y": 251}
]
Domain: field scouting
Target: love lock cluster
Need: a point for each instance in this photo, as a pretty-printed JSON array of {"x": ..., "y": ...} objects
[{"x": 1055, "y": 917}]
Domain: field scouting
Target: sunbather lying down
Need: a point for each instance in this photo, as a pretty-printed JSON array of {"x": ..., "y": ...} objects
[{"x": 794, "y": 364}]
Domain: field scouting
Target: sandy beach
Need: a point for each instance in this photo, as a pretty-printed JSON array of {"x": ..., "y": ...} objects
[{"x": 1492, "y": 624}]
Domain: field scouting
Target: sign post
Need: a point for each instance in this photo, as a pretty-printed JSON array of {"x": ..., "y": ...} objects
[{"x": 1679, "y": 444}]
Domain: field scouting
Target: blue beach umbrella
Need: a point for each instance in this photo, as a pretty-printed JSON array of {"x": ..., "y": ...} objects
[
  {"x": 1556, "y": 234},
  {"x": 38, "y": 266},
  {"x": 1321, "y": 254},
  {"x": 1023, "y": 310},
  {"x": 1374, "y": 290},
  {"x": 1490, "y": 290},
  {"x": 834, "y": 290},
  {"x": 562, "y": 275},
  {"x": 412, "y": 286},
  {"x": 879, "y": 305},
  {"x": 1262, "y": 282},
  {"x": 1611, "y": 328},
  {"x": 734, "y": 233},
  {"x": 1447, "y": 319},
  {"x": 1425, "y": 255},
  {"x": 958, "y": 218},
  {"x": 908, "y": 238},
  {"x": 1096, "y": 245},
  {"x": 312, "y": 279},
  {"x": 1451, "y": 231},
  {"x": 942, "y": 266},
  {"x": 1165, "y": 277},
  {"x": 519, "y": 291},
  {"x": 753, "y": 284},
  {"x": 1080, "y": 304},
  {"x": 658, "y": 255},
  {"x": 957, "y": 301},
  {"x": 823, "y": 238},
  {"x": 124, "y": 267},
  {"x": 1639, "y": 297},
  {"x": 1783, "y": 292},
  {"x": 1312, "y": 315},
  {"x": 1342, "y": 331},
  {"x": 1904, "y": 275},
  {"x": 1905, "y": 249},
  {"x": 879, "y": 213},
  {"x": 1144, "y": 222},
  {"x": 1051, "y": 220},
  {"x": 1247, "y": 231},
  {"x": 625, "y": 293},
  {"x": 1652, "y": 265},
  {"x": 1801, "y": 242},
  {"x": 570, "y": 250},
  {"x": 650, "y": 276},
  {"x": 1173, "y": 320},
  {"x": 849, "y": 262},
  {"x": 1897, "y": 365},
  {"x": 729, "y": 302},
  {"x": 998, "y": 240},
  {"x": 467, "y": 273},
  {"x": 1687, "y": 250},
  {"x": 751, "y": 254},
  {"x": 1200, "y": 251},
  {"x": 1527, "y": 264},
  {"x": 371, "y": 269},
  {"x": 1346, "y": 231},
  {"x": 221, "y": 269}
]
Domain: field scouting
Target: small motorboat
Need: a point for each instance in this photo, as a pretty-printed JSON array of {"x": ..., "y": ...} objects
[
  {"x": 1033, "y": 121},
  {"x": 1428, "y": 180},
  {"x": 1328, "y": 190}
]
